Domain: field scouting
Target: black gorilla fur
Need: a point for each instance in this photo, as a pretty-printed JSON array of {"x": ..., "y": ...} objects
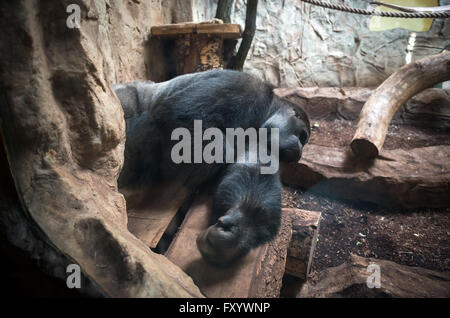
[
  {"x": 247, "y": 204},
  {"x": 246, "y": 213}
]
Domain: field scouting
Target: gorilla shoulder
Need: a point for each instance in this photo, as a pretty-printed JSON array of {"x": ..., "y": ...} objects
[{"x": 135, "y": 97}]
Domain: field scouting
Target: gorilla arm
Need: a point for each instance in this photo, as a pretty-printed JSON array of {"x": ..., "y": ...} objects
[{"x": 246, "y": 213}]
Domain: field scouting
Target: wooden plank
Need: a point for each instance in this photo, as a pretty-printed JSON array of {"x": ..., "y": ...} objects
[
  {"x": 410, "y": 178},
  {"x": 172, "y": 30},
  {"x": 225, "y": 30},
  {"x": 305, "y": 230},
  {"x": 258, "y": 274},
  {"x": 150, "y": 210}
]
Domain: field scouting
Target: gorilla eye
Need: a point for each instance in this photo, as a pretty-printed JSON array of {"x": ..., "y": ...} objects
[{"x": 303, "y": 137}]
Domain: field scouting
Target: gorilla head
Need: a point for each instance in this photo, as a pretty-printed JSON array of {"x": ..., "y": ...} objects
[
  {"x": 246, "y": 213},
  {"x": 294, "y": 129}
]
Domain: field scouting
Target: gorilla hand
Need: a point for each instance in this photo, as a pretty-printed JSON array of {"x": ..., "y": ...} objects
[{"x": 219, "y": 243}]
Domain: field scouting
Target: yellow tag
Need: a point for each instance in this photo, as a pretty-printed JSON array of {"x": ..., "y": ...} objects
[{"x": 417, "y": 25}]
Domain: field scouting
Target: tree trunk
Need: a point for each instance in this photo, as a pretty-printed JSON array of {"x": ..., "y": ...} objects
[
  {"x": 384, "y": 102},
  {"x": 224, "y": 10},
  {"x": 237, "y": 63}
]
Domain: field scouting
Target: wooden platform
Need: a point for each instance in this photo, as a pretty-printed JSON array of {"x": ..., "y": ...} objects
[
  {"x": 151, "y": 210},
  {"x": 259, "y": 274},
  {"x": 224, "y": 30}
]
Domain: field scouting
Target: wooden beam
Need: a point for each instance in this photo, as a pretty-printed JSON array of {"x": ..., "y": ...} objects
[
  {"x": 223, "y": 30},
  {"x": 411, "y": 178},
  {"x": 150, "y": 210},
  {"x": 384, "y": 102},
  {"x": 258, "y": 274}
]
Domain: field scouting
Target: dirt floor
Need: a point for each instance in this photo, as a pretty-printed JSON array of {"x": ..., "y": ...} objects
[
  {"x": 410, "y": 237},
  {"x": 414, "y": 237},
  {"x": 339, "y": 133}
]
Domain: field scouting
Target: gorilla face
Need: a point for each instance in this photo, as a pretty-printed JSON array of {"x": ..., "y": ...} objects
[
  {"x": 294, "y": 129},
  {"x": 292, "y": 139}
]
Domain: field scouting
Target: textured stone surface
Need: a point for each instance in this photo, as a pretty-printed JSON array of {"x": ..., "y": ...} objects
[
  {"x": 350, "y": 280},
  {"x": 298, "y": 44},
  {"x": 64, "y": 133},
  {"x": 429, "y": 108}
]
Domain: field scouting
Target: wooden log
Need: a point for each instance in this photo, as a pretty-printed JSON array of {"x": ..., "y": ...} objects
[
  {"x": 258, "y": 274},
  {"x": 384, "y": 102},
  {"x": 305, "y": 230},
  {"x": 150, "y": 210},
  {"x": 429, "y": 108},
  {"x": 413, "y": 178},
  {"x": 396, "y": 281}
]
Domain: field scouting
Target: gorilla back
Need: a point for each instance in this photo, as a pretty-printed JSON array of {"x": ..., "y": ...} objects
[{"x": 220, "y": 99}]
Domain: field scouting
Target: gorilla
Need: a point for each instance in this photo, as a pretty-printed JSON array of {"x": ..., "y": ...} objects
[
  {"x": 246, "y": 213},
  {"x": 221, "y": 99},
  {"x": 246, "y": 204}
]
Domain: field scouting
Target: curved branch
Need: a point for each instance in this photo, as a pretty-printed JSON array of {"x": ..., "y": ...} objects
[
  {"x": 237, "y": 63},
  {"x": 384, "y": 102}
]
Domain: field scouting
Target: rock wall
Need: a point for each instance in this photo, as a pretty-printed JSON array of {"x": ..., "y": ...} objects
[
  {"x": 119, "y": 30},
  {"x": 64, "y": 132},
  {"x": 298, "y": 44}
]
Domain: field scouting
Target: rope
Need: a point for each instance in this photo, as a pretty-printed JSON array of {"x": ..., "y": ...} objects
[{"x": 415, "y": 15}]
